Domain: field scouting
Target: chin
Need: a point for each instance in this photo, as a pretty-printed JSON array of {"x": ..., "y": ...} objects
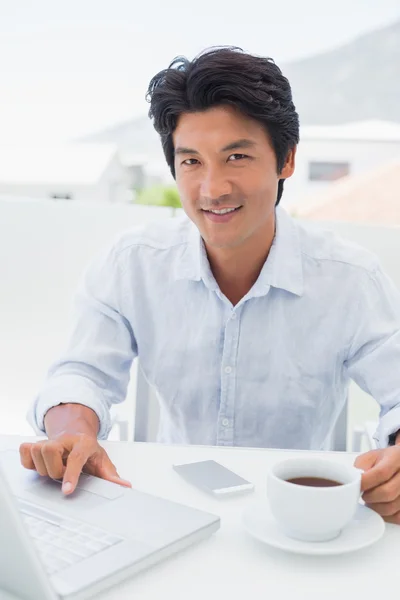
[
  {"x": 219, "y": 239},
  {"x": 220, "y": 243}
]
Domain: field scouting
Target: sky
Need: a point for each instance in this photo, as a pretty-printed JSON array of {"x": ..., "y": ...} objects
[{"x": 68, "y": 69}]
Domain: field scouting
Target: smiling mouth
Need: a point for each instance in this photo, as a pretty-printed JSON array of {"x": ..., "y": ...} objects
[{"x": 222, "y": 211}]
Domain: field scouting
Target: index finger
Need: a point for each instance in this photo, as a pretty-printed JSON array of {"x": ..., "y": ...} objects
[
  {"x": 380, "y": 473},
  {"x": 75, "y": 462}
]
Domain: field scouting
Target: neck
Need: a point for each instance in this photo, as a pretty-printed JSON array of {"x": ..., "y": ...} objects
[{"x": 237, "y": 269}]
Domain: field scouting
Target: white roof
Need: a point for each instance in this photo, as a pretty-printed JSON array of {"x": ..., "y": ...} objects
[
  {"x": 374, "y": 130},
  {"x": 62, "y": 164}
]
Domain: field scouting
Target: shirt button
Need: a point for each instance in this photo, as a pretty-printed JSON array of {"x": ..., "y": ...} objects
[
  {"x": 225, "y": 422},
  {"x": 228, "y": 369},
  {"x": 233, "y": 315}
]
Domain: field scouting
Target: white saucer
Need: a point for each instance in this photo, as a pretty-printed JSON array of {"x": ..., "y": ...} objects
[{"x": 366, "y": 528}]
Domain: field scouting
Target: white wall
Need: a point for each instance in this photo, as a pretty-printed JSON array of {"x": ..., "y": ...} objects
[
  {"x": 115, "y": 183},
  {"x": 44, "y": 247},
  {"x": 112, "y": 186},
  {"x": 94, "y": 193},
  {"x": 362, "y": 157}
]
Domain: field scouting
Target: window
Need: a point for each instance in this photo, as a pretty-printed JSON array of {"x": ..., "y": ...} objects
[
  {"x": 61, "y": 197},
  {"x": 327, "y": 171}
]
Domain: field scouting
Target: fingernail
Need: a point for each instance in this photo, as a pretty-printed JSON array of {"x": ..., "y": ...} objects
[
  {"x": 124, "y": 481},
  {"x": 67, "y": 487}
]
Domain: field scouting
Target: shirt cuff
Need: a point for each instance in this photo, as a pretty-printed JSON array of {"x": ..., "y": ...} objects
[
  {"x": 388, "y": 425},
  {"x": 51, "y": 397}
]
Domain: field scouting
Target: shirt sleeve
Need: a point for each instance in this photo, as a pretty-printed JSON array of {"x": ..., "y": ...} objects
[
  {"x": 95, "y": 368},
  {"x": 374, "y": 355}
]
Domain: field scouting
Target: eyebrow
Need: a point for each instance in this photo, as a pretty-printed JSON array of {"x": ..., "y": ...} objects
[{"x": 236, "y": 145}]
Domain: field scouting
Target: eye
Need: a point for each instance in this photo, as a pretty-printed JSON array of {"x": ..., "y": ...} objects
[
  {"x": 188, "y": 163},
  {"x": 237, "y": 157}
]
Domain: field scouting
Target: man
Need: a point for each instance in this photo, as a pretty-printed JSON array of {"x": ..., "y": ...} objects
[{"x": 248, "y": 324}]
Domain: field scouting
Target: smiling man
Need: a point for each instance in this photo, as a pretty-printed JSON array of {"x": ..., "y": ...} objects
[
  {"x": 229, "y": 190},
  {"x": 248, "y": 324}
]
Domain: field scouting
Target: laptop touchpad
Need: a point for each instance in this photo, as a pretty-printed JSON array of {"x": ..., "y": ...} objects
[
  {"x": 50, "y": 490},
  {"x": 89, "y": 493}
]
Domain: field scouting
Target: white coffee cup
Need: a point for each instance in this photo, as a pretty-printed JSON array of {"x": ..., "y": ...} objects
[{"x": 313, "y": 514}]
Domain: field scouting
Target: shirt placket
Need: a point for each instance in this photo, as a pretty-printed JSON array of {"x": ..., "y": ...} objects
[{"x": 226, "y": 414}]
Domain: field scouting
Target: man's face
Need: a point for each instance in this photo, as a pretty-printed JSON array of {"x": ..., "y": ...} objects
[{"x": 224, "y": 160}]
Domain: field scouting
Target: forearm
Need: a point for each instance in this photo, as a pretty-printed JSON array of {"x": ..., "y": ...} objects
[{"x": 72, "y": 419}]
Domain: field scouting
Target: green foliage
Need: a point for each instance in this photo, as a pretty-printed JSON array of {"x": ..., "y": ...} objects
[{"x": 159, "y": 195}]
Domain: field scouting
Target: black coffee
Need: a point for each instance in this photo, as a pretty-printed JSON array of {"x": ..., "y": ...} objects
[{"x": 314, "y": 481}]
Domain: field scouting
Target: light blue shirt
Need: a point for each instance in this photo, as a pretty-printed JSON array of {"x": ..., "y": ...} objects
[{"x": 272, "y": 371}]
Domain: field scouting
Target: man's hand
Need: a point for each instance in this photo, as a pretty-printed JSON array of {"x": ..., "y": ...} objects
[
  {"x": 380, "y": 483},
  {"x": 65, "y": 456}
]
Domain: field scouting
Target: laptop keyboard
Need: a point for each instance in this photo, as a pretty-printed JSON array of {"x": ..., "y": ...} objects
[{"x": 61, "y": 541}]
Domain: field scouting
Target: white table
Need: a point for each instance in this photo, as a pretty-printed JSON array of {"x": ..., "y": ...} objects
[{"x": 231, "y": 564}]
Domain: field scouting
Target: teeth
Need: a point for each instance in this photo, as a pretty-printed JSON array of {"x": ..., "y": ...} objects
[{"x": 222, "y": 211}]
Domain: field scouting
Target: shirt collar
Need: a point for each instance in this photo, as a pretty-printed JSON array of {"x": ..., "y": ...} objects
[
  {"x": 194, "y": 264},
  {"x": 283, "y": 268}
]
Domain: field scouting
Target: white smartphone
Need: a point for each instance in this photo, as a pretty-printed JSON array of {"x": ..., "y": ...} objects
[{"x": 211, "y": 477}]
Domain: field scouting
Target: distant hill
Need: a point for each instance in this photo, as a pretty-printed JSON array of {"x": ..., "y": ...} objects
[
  {"x": 358, "y": 81},
  {"x": 134, "y": 136}
]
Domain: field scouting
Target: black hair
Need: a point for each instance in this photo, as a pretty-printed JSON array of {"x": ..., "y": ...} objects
[{"x": 225, "y": 76}]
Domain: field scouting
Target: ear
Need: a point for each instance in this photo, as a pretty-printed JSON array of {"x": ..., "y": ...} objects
[{"x": 289, "y": 165}]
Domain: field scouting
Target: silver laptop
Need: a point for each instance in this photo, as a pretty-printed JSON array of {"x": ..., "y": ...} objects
[{"x": 52, "y": 546}]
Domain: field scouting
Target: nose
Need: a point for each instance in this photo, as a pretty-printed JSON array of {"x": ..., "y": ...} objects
[{"x": 214, "y": 185}]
